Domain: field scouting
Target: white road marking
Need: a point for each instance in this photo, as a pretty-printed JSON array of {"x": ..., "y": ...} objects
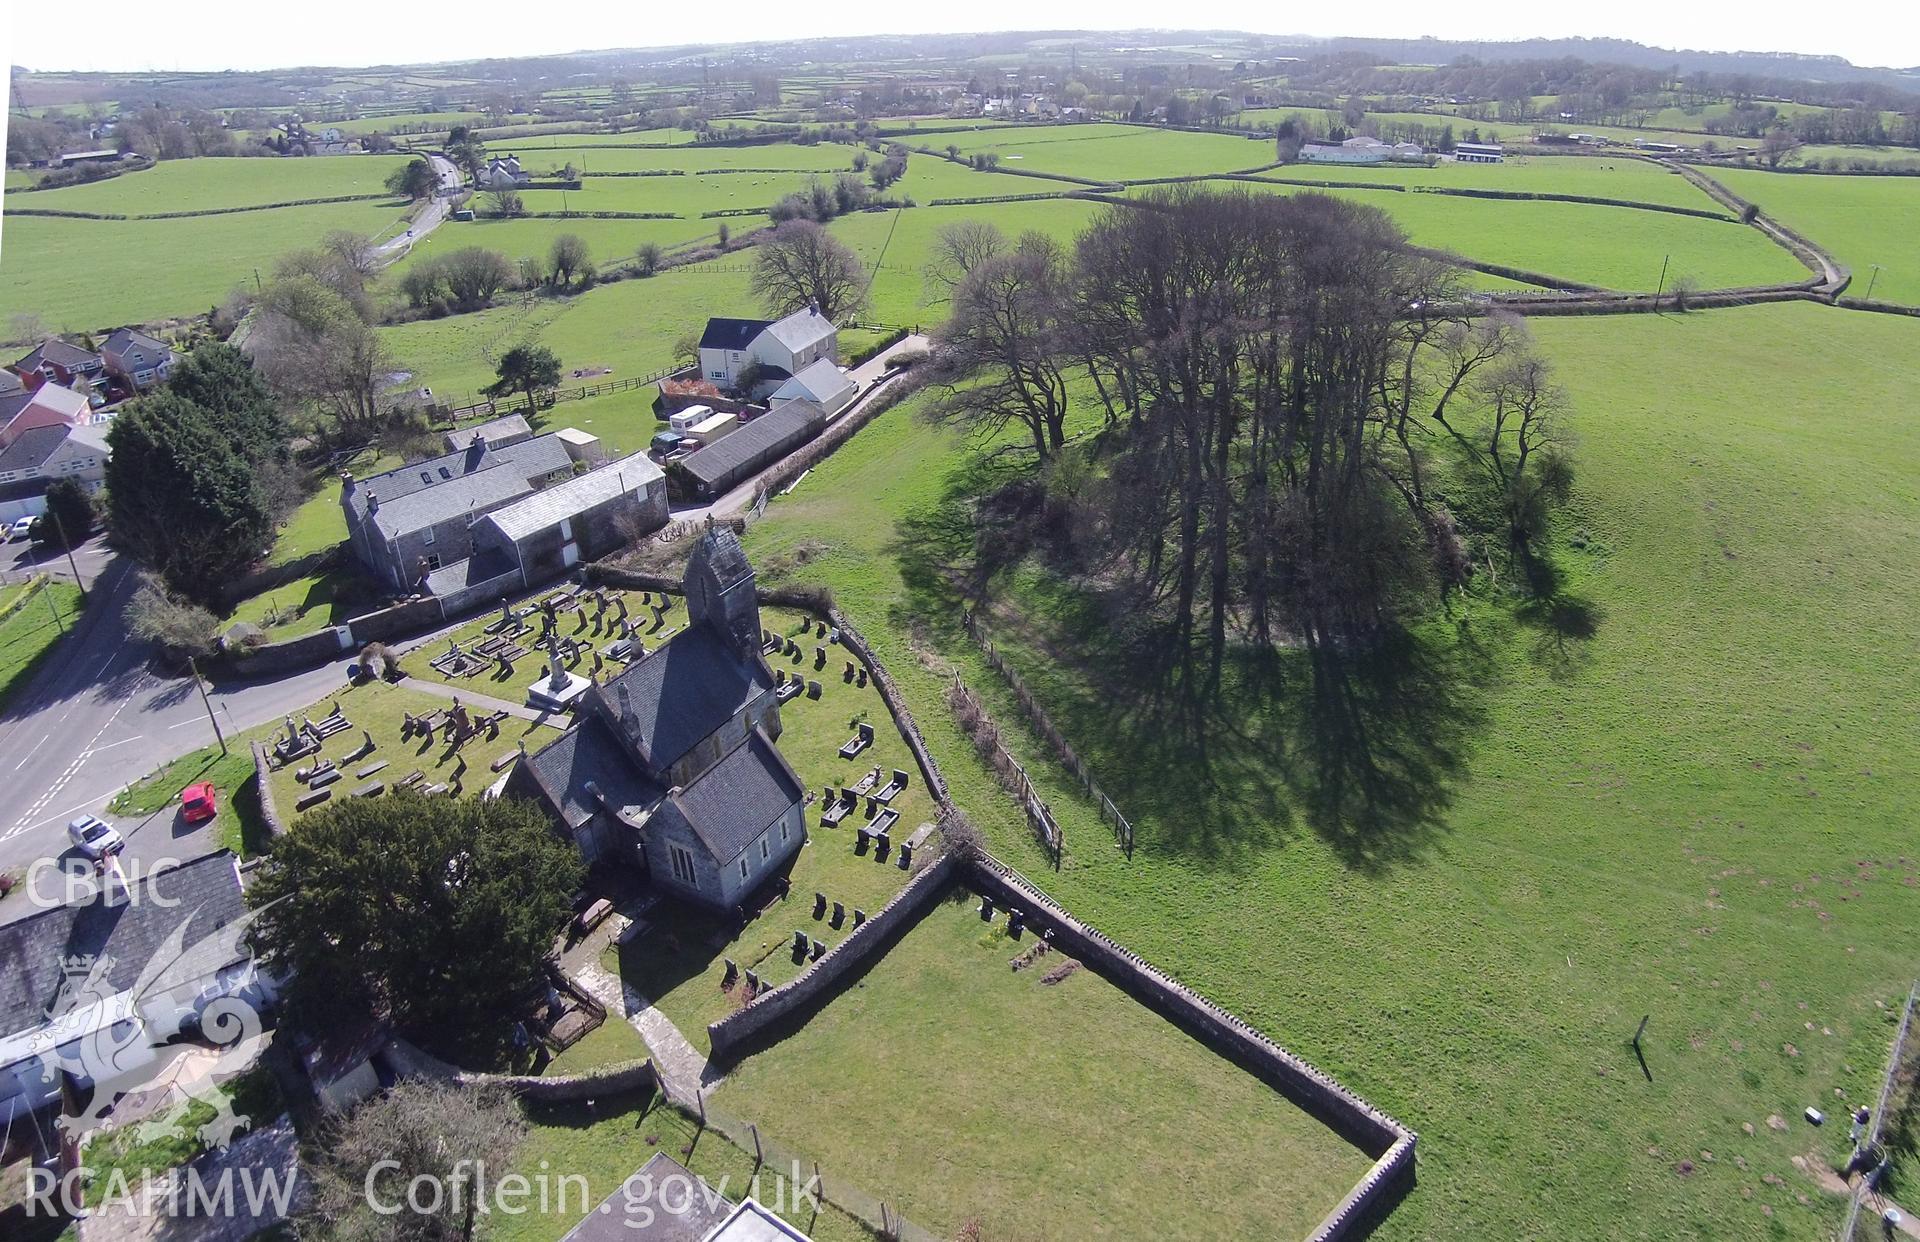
[{"x": 29, "y": 755}]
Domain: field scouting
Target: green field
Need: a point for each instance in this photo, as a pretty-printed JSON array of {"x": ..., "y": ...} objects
[
  {"x": 1593, "y": 176},
  {"x": 609, "y": 242},
  {"x": 610, "y": 153},
  {"x": 630, "y": 326},
  {"x": 83, "y": 275},
  {"x": 1161, "y": 1131},
  {"x": 360, "y": 126},
  {"x": 1860, "y": 220},
  {"x": 1613, "y": 247},
  {"x": 1696, "y": 813},
  {"x": 214, "y": 184},
  {"x": 1112, "y": 152},
  {"x": 1822, "y": 155}
]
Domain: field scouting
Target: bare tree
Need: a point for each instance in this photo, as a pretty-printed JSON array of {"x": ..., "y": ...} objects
[
  {"x": 958, "y": 248},
  {"x": 800, "y": 263},
  {"x": 1513, "y": 442},
  {"x": 179, "y": 628},
  {"x": 474, "y": 275},
  {"x": 315, "y": 346},
  {"x": 443, "y": 1132},
  {"x": 569, "y": 258},
  {"x": 1001, "y": 354}
]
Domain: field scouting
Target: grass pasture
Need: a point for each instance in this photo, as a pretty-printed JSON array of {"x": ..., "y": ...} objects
[
  {"x": 219, "y": 183},
  {"x": 1860, "y": 220},
  {"x": 1592, "y": 176},
  {"x": 85, "y": 275},
  {"x": 1683, "y": 798},
  {"x": 1112, "y": 152},
  {"x": 29, "y": 631},
  {"x": 1099, "y": 1119}
]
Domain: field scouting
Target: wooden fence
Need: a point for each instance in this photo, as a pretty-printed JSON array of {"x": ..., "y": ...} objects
[
  {"x": 1876, "y": 1126},
  {"x": 552, "y": 396},
  {"x": 1044, "y": 726},
  {"x": 1039, "y": 814}
]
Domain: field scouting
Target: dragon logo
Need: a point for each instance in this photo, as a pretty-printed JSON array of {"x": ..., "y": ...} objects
[{"x": 119, "y": 1044}]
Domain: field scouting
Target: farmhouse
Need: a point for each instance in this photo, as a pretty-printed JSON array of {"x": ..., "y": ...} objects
[
  {"x": 672, "y": 766},
  {"x": 503, "y": 174},
  {"x": 709, "y": 472},
  {"x": 773, "y": 351},
  {"x": 71, "y": 978},
  {"x": 419, "y": 528},
  {"x": 136, "y": 359},
  {"x": 497, "y": 433},
  {"x": 1478, "y": 152}
]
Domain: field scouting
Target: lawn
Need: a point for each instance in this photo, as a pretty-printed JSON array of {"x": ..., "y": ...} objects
[
  {"x": 1695, "y": 814},
  {"x": 1613, "y": 247},
  {"x": 678, "y": 965},
  {"x": 1093, "y": 1099},
  {"x": 85, "y": 275},
  {"x": 605, "y": 1141},
  {"x": 30, "y": 632},
  {"x": 214, "y": 183},
  {"x": 609, "y": 242},
  {"x": 1860, "y": 220},
  {"x": 299, "y": 590}
]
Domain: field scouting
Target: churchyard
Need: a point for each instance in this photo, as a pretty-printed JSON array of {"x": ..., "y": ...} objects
[{"x": 680, "y": 961}]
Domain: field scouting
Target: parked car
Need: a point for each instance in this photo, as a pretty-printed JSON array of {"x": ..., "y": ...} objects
[
  {"x": 20, "y": 529},
  {"x": 94, "y": 837},
  {"x": 199, "y": 802}
]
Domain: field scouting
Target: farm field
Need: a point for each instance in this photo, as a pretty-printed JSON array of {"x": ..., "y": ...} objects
[
  {"x": 1860, "y": 220},
  {"x": 1516, "y": 133},
  {"x": 1594, "y": 176},
  {"x": 1613, "y": 247},
  {"x": 630, "y": 326},
  {"x": 437, "y": 121},
  {"x": 1812, "y": 154},
  {"x": 1100, "y": 1091},
  {"x": 1113, "y": 152},
  {"x": 607, "y": 153},
  {"x": 213, "y": 184},
  {"x": 83, "y": 275},
  {"x": 1687, "y": 802},
  {"x": 609, "y": 242}
]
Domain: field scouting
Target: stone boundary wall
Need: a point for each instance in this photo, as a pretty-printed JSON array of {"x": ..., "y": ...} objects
[
  {"x": 408, "y": 1061},
  {"x": 268, "y": 811},
  {"x": 864, "y": 945},
  {"x": 1347, "y": 1114}
]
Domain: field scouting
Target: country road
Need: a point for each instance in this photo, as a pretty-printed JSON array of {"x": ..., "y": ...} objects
[
  {"x": 98, "y": 715},
  {"x": 431, "y": 216}
]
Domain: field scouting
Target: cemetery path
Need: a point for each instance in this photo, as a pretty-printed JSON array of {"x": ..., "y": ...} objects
[
  {"x": 473, "y": 698},
  {"x": 683, "y": 1071}
]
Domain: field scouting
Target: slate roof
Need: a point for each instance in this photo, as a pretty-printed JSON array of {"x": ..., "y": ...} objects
[
  {"x": 135, "y": 349},
  {"x": 732, "y": 333},
  {"x": 482, "y": 567},
  {"x": 60, "y": 353},
  {"x": 544, "y": 509},
  {"x": 755, "y": 444},
  {"x": 637, "y": 1211},
  {"x": 681, "y": 692},
  {"x": 802, "y": 328},
  {"x": 497, "y": 433},
  {"x": 821, "y": 380},
  {"x": 12, "y": 385},
  {"x": 31, "y": 950},
  {"x": 590, "y": 752},
  {"x": 459, "y": 491},
  {"x": 733, "y": 802},
  {"x": 33, "y": 448},
  {"x": 720, "y": 551}
]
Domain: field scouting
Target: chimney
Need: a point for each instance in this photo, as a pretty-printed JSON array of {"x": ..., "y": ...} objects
[
  {"x": 346, "y": 482},
  {"x": 373, "y": 502}
]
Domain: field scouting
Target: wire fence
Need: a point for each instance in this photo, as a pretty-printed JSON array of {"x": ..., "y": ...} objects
[
  {"x": 1877, "y": 1123},
  {"x": 977, "y": 722},
  {"x": 1043, "y": 725},
  {"x": 790, "y": 1180}
]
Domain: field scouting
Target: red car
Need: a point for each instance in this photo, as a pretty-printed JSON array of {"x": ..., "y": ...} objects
[{"x": 199, "y": 803}]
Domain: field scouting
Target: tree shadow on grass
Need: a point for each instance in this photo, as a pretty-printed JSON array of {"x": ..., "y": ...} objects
[
  {"x": 1561, "y": 622},
  {"x": 1362, "y": 748}
]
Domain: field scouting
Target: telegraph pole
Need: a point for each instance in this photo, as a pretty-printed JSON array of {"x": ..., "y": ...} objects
[
  {"x": 1871, "y": 280},
  {"x": 201, "y": 686},
  {"x": 59, "y": 529}
]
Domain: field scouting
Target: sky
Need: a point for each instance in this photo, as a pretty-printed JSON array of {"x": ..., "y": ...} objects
[{"x": 246, "y": 34}]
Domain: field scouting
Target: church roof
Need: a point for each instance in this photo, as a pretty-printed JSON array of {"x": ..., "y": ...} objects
[{"x": 679, "y": 694}]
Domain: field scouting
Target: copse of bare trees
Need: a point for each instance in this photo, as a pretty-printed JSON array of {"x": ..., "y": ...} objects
[{"x": 1296, "y": 405}]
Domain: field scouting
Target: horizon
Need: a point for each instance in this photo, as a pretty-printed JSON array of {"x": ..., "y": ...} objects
[{"x": 233, "y": 46}]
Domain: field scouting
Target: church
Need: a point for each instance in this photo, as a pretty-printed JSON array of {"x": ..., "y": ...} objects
[{"x": 672, "y": 765}]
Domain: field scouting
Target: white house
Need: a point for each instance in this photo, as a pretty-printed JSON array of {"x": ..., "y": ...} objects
[
  {"x": 778, "y": 351},
  {"x": 503, "y": 174}
]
